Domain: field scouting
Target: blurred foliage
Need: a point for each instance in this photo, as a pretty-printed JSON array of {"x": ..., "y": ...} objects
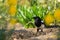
[
  {"x": 24, "y": 16},
  {"x": 33, "y": 2},
  {"x": 23, "y": 11},
  {"x": 5, "y": 35},
  {"x": 2, "y": 34}
]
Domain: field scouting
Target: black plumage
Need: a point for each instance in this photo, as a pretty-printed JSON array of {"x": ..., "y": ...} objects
[{"x": 38, "y": 23}]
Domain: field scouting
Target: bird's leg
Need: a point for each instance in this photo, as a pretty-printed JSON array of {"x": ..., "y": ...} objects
[
  {"x": 38, "y": 30},
  {"x": 37, "y": 33}
]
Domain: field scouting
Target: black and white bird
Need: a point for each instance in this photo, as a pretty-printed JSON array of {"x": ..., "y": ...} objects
[{"x": 38, "y": 23}]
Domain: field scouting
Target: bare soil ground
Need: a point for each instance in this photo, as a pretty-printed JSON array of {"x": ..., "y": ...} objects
[{"x": 30, "y": 34}]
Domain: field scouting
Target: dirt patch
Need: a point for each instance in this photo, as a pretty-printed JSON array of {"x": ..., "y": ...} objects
[{"x": 30, "y": 34}]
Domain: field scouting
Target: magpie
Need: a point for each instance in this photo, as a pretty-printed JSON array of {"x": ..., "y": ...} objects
[{"x": 37, "y": 22}]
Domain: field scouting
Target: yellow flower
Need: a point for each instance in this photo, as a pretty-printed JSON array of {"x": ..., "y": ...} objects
[
  {"x": 49, "y": 19},
  {"x": 57, "y": 14},
  {"x": 12, "y": 10},
  {"x": 12, "y": 2},
  {"x": 12, "y": 21}
]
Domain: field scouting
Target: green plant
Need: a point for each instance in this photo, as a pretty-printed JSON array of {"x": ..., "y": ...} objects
[{"x": 25, "y": 15}]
